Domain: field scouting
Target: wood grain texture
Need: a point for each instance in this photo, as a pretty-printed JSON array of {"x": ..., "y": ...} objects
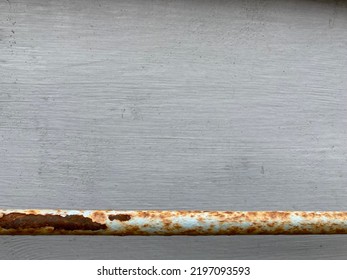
[{"x": 238, "y": 105}]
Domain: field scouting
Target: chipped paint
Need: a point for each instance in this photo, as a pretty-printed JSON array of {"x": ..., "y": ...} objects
[{"x": 151, "y": 222}]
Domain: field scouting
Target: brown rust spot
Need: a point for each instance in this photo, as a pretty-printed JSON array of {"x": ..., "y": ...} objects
[
  {"x": 252, "y": 214},
  {"x": 143, "y": 214},
  {"x": 177, "y": 226},
  {"x": 252, "y": 230},
  {"x": 236, "y": 216},
  {"x": 166, "y": 223},
  {"x": 304, "y": 215},
  {"x": 120, "y": 217},
  {"x": 338, "y": 215},
  {"x": 276, "y": 215},
  {"x": 164, "y": 214},
  {"x": 56, "y": 222},
  {"x": 131, "y": 230}
]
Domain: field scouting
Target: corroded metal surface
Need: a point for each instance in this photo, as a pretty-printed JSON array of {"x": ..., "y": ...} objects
[{"x": 109, "y": 222}]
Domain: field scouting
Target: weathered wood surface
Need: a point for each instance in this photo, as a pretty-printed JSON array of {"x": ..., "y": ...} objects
[{"x": 173, "y": 105}]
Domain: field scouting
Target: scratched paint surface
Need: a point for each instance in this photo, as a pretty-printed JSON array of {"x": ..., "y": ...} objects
[{"x": 219, "y": 105}]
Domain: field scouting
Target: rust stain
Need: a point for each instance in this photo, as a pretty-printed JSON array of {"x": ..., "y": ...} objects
[
  {"x": 19, "y": 221},
  {"x": 164, "y": 214},
  {"x": 177, "y": 227},
  {"x": 120, "y": 217},
  {"x": 99, "y": 217},
  {"x": 166, "y": 222},
  {"x": 276, "y": 215},
  {"x": 143, "y": 214}
]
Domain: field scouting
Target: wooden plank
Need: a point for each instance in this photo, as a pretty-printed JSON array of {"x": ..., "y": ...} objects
[{"x": 173, "y": 105}]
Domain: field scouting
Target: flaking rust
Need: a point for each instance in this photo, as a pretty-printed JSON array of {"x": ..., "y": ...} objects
[{"x": 151, "y": 222}]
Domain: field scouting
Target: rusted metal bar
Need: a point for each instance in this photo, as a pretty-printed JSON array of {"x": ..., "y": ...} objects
[{"x": 109, "y": 222}]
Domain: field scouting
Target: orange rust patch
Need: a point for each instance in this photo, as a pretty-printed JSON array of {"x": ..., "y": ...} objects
[
  {"x": 236, "y": 216},
  {"x": 252, "y": 229},
  {"x": 252, "y": 214},
  {"x": 56, "y": 222},
  {"x": 177, "y": 226},
  {"x": 132, "y": 230},
  {"x": 277, "y": 215},
  {"x": 166, "y": 223},
  {"x": 219, "y": 215},
  {"x": 99, "y": 217},
  {"x": 143, "y": 214},
  {"x": 164, "y": 214},
  {"x": 120, "y": 217}
]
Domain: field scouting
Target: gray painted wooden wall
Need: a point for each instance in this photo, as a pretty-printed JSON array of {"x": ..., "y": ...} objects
[{"x": 185, "y": 104}]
